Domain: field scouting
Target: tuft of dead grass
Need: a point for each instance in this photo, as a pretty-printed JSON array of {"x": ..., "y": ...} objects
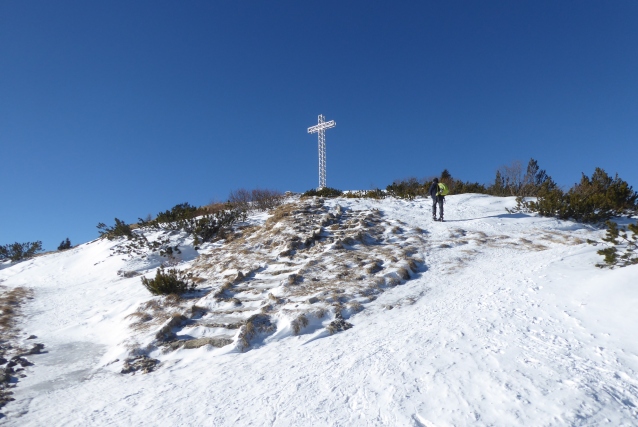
[
  {"x": 11, "y": 301},
  {"x": 279, "y": 214},
  {"x": 294, "y": 279},
  {"x": 403, "y": 273},
  {"x": 256, "y": 324},
  {"x": 355, "y": 306},
  {"x": 298, "y": 324}
]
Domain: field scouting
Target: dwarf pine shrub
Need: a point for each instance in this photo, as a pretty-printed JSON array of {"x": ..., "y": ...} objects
[
  {"x": 170, "y": 281},
  {"x": 120, "y": 229},
  {"x": 408, "y": 188},
  {"x": 298, "y": 324},
  {"x": 624, "y": 247},
  {"x": 592, "y": 200},
  {"x": 460, "y": 187},
  {"x": 376, "y": 194},
  {"x": 197, "y": 222},
  {"x": 510, "y": 180},
  {"x": 323, "y": 192},
  {"x": 19, "y": 251},
  {"x": 66, "y": 244},
  {"x": 255, "y": 324},
  {"x": 182, "y": 211}
]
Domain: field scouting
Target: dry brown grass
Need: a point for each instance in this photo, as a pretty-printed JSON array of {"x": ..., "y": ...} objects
[
  {"x": 392, "y": 281},
  {"x": 309, "y": 234},
  {"x": 11, "y": 301},
  {"x": 355, "y": 306},
  {"x": 222, "y": 292},
  {"x": 298, "y": 324},
  {"x": 403, "y": 273},
  {"x": 256, "y": 324},
  {"x": 375, "y": 267},
  {"x": 279, "y": 214},
  {"x": 212, "y": 208}
]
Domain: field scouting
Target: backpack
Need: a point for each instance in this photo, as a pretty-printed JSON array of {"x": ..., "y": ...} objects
[{"x": 443, "y": 190}]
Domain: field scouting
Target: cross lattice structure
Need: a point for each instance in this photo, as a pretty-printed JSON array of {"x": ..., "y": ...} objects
[{"x": 320, "y": 129}]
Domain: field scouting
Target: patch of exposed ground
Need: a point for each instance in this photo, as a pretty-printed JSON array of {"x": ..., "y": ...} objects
[
  {"x": 13, "y": 363},
  {"x": 307, "y": 267}
]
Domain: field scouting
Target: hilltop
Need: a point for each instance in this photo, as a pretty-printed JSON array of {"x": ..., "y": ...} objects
[{"x": 337, "y": 311}]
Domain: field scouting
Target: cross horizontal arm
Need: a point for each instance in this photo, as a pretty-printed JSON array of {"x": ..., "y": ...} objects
[{"x": 322, "y": 126}]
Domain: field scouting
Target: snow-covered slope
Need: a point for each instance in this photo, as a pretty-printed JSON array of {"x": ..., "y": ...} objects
[{"x": 501, "y": 320}]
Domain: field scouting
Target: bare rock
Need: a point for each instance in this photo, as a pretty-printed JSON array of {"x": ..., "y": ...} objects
[
  {"x": 166, "y": 333},
  {"x": 240, "y": 276},
  {"x": 338, "y": 325},
  {"x": 5, "y": 376},
  {"x": 19, "y": 360},
  {"x": 294, "y": 279},
  {"x": 36, "y": 349},
  {"x": 200, "y": 342},
  {"x": 143, "y": 364}
]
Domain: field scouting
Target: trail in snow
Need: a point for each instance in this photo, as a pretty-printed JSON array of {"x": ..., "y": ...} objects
[{"x": 508, "y": 323}]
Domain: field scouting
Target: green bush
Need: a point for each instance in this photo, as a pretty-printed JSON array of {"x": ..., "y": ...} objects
[
  {"x": 592, "y": 200},
  {"x": 408, "y": 188},
  {"x": 19, "y": 251},
  {"x": 197, "y": 222},
  {"x": 203, "y": 227},
  {"x": 178, "y": 212},
  {"x": 460, "y": 187},
  {"x": 207, "y": 227},
  {"x": 120, "y": 229},
  {"x": 376, "y": 194},
  {"x": 66, "y": 244},
  {"x": 624, "y": 248},
  {"x": 323, "y": 192},
  {"x": 167, "y": 282},
  {"x": 509, "y": 181}
]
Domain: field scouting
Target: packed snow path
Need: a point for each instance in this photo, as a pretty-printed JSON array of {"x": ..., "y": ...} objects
[{"x": 507, "y": 322}]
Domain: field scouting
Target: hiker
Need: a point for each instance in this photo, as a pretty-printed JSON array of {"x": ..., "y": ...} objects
[{"x": 438, "y": 190}]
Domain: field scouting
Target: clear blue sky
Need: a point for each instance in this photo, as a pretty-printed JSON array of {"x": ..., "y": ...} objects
[{"x": 121, "y": 109}]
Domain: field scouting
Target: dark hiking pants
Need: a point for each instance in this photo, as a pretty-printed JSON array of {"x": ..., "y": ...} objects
[{"x": 437, "y": 200}]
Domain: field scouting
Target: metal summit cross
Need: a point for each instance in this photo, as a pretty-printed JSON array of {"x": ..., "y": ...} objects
[{"x": 321, "y": 130}]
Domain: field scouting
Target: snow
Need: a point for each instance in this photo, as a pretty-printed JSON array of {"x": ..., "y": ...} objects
[{"x": 506, "y": 322}]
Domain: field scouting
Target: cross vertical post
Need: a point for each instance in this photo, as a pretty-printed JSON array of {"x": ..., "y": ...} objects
[{"x": 320, "y": 129}]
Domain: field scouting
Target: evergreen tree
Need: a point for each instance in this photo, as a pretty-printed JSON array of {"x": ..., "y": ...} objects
[
  {"x": 446, "y": 178},
  {"x": 66, "y": 244},
  {"x": 120, "y": 229},
  {"x": 19, "y": 251},
  {"x": 498, "y": 188}
]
